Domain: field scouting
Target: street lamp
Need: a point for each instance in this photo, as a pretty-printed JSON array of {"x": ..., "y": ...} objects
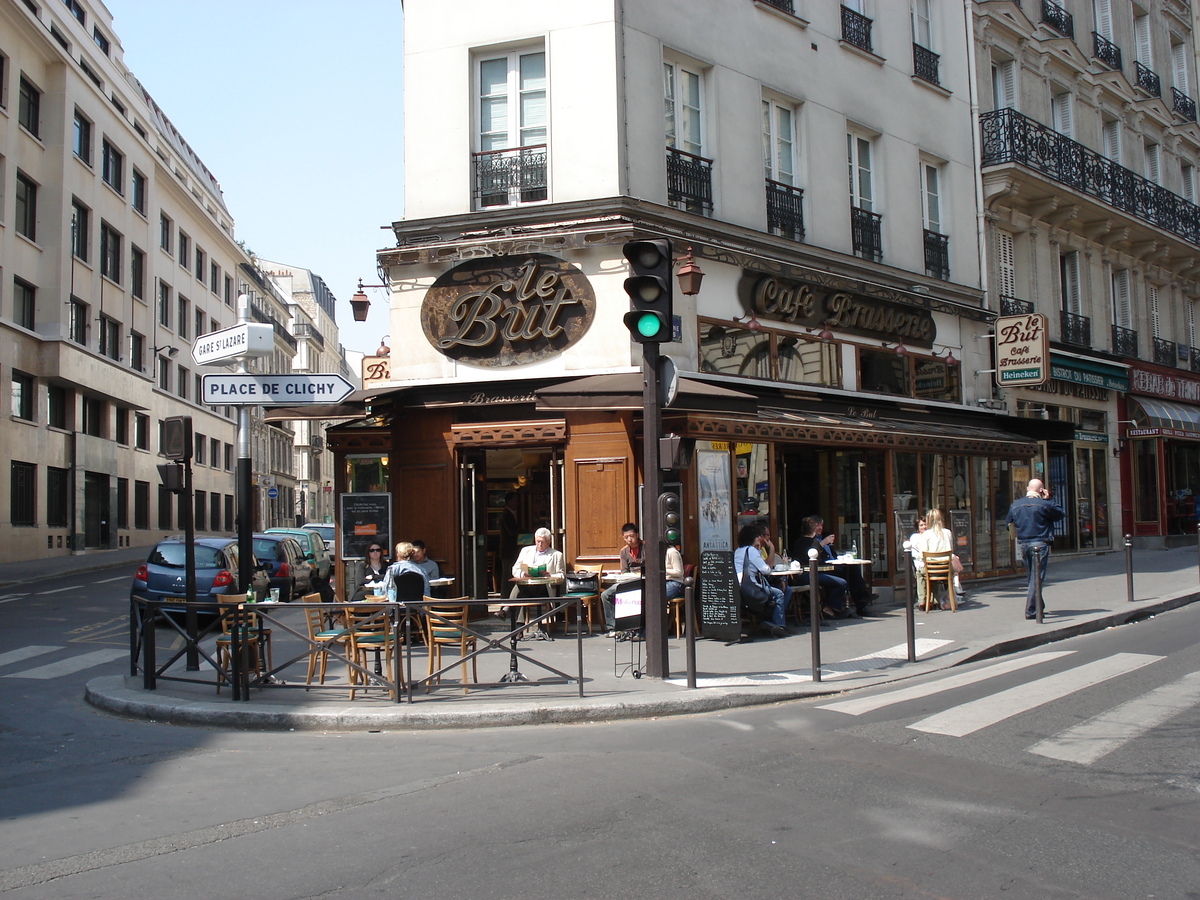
[
  {"x": 689, "y": 275},
  {"x": 359, "y": 304},
  {"x": 171, "y": 351},
  {"x": 383, "y": 349}
]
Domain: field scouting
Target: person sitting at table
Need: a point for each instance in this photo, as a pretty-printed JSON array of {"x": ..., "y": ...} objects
[
  {"x": 935, "y": 539},
  {"x": 916, "y": 546},
  {"x": 404, "y": 563},
  {"x": 749, "y": 553},
  {"x": 632, "y": 560},
  {"x": 835, "y": 588},
  {"x": 540, "y": 556},
  {"x": 421, "y": 561},
  {"x": 374, "y": 574}
]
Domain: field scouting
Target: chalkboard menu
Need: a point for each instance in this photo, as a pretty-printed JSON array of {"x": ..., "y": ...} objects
[
  {"x": 960, "y": 527},
  {"x": 719, "y": 600},
  {"x": 365, "y": 518}
]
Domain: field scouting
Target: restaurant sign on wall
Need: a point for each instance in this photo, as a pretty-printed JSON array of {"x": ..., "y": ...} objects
[{"x": 508, "y": 311}]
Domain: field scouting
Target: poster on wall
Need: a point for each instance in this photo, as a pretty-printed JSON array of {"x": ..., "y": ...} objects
[
  {"x": 906, "y": 526},
  {"x": 713, "y": 499},
  {"x": 365, "y": 518},
  {"x": 960, "y": 527}
]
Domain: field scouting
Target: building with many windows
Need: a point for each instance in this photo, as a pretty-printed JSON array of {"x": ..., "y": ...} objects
[{"x": 817, "y": 161}]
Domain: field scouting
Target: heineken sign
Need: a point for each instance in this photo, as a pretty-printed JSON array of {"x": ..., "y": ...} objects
[{"x": 1022, "y": 350}]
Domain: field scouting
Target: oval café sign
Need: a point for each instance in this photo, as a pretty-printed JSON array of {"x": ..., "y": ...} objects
[{"x": 508, "y": 311}]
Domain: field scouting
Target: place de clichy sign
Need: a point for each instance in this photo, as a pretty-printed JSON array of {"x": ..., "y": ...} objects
[{"x": 274, "y": 390}]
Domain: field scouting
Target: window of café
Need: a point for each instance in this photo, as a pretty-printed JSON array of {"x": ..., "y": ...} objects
[
  {"x": 1145, "y": 480},
  {"x": 885, "y": 371},
  {"x": 752, "y": 479},
  {"x": 366, "y": 473},
  {"x": 729, "y": 349}
]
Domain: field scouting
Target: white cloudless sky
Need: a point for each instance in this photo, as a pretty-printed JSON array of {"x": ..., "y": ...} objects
[{"x": 295, "y": 107}]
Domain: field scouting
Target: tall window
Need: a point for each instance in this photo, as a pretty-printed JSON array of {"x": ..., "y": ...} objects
[
  {"x": 26, "y": 207},
  {"x": 79, "y": 321},
  {"x": 922, "y": 24},
  {"x": 81, "y": 226},
  {"x": 137, "y": 272},
  {"x": 1061, "y": 113},
  {"x": 1102, "y": 15},
  {"x": 110, "y": 337},
  {"x": 60, "y": 410},
  {"x": 683, "y": 107},
  {"x": 512, "y": 101},
  {"x": 1187, "y": 186},
  {"x": 137, "y": 352},
  {"x": 214, "y": 277},
  {"x": 23, "y": 396},
  {"x": 1143, "y": 47},
  {"x": 1122, "y": 310},
  {"x": 95, "y": 413},
  {"x": 1179, "y": 67},
  {"x": 931, "y": 193},
  {"x": 82, "y": 141},
  {"x": 200, "y": 263},
  {"x": 22, "y": 493},
  {"x": 137, "y": 191},
  {"x": 1006, "y": 264},
  {"x": 1068, "y": 271},
  {"x": 778, "y": 160},
  {"x": 858, "y": 157},
  {"x": 1152, "y": 163},
  {"x": 1004, "y": 86},
  {"x": 141, "y": 431},
  {"x": 121, "y": 431},
  {"x": 141, "y": 505},
  {"x": 183, "y": 316},
  {"x": 166, "y": 230},
  {"x": 185, "y": 250},
  {"x": 1152, "y": 305},
  {"x": 164, "y": 373},
  {"x": 112, "y": 167},
  {"x": 110, "y": 252},
  {"x": 24, "y": 303},
  {"x": 57, "y": 485},
  {"x": 164, "y": 304},
  {"x": 29, "y": 108},
  {"x": 1111, "y": 130},
  {"x": 181, "y": 383}
]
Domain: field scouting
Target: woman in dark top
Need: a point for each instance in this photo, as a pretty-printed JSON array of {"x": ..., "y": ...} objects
[{"x": 373, "y": 572}]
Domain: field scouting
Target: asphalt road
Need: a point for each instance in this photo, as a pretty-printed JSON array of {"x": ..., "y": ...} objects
[{"x": 1071, "y": 771}]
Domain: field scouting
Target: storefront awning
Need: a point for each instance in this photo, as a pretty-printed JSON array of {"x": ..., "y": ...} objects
[
  {"x": 1165, "y": 418},
  {"x": 624, "y": 391}
]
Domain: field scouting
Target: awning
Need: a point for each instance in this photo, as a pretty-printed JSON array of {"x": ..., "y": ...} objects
[
  {"x": 1163, "y": 418},
  {"x": 624, "y": 392}
]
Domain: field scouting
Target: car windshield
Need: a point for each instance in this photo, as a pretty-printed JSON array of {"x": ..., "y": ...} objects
[
  {"x": 173, "y": 557},
  {"x": 268, "y": 550}
]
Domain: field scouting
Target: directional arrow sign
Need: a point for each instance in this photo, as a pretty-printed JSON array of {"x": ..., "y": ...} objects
[
  {"x": 274, "y": 390},
  {"x": 226, "y": 346}
]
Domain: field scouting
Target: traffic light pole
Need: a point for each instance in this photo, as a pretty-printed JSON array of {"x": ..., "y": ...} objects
[{"x": 654, "y": 600}]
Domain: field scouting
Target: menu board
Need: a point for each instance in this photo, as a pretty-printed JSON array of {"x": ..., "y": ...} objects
[
  {"x": 365, "y": 518},
  {"x": 960, "y": 527},
  {"x": 719, "y": 611}
]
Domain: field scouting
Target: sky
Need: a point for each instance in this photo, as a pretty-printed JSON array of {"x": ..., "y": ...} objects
[{"x": 295, "y": 107}]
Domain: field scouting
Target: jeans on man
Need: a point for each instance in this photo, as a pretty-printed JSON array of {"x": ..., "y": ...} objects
[
  {"x": 779, "y": 604},
  {"x": 834, "y": 588},
  {"x": 1028, "y": 549}
]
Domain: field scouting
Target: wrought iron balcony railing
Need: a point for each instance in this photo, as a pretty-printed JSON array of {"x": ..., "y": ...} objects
[
  {"x": 1183, "y": 104},
  {"x": 1194, "y": 359},
  {"x": 689, "y": 181},
  {"x": 1146, "y": 79},
  {"x": 856, "y": 29},
  {"x": 785, "y": 210},
  {"x": 1166, "y": 353},
  {"x": 511, "y": 176},
  {"x": 786, "y": 5},
  {"x": 1009, "y": 137},
  {"x": 1011, "y": 306},
  {"x": 937, "y": 255},
  {"x": 925, "y": 64},
  {"x": 1058, "y": 18},
  {"x": 1124, "y": 342},
  {"x": 1076, "y": 329},
  {"x": 1106, "y": 51},
  {"x": 867, "y": 233},
  {"x": 309, "y": 332}
]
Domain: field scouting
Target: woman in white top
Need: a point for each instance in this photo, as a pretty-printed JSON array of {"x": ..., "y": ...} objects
[{"x": 935, "y": 539}]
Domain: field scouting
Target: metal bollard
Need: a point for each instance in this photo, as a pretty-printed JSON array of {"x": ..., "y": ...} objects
[
  {"x": 689, "y": 630},
  {"x": 1129, "y": 567},
  {"x": 814, "y": 613},
  {"x": 910, "y": 626}
]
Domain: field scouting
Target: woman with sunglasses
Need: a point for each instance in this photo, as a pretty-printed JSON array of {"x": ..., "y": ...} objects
[{"x": 374, "y": 571}]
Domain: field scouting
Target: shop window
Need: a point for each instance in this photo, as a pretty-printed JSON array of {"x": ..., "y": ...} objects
[
  {"x": 936, "y": 379},
  {"x": 728, "y": 349},
  {"x": 1145, "y": 480},
  {"x": 883, "y": 371}
]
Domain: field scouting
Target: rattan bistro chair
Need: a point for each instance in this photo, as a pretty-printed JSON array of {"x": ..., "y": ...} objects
[
  {"x": 939, "y": 567},
  {"x": 321, "y": 639}
]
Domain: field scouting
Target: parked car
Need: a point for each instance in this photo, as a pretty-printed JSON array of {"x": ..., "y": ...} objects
[
  {"x": 163, "y": 576},
  {"x": 287, "y": 565},
  {"x": 325, "y": 530},
  {"x": 313, "y": 546}
]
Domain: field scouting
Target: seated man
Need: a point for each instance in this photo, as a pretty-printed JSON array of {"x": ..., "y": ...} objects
[
  {"x": 835, "y": 588},
  {"x": 749, "y": 553},
  {"x": 541, "y": 557},
  {"x": 632, "y": 560},
  {"x": 421, "y": 561}
]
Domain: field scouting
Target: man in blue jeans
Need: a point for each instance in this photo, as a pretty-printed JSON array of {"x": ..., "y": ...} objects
[{"x": 1032, "y": 518}]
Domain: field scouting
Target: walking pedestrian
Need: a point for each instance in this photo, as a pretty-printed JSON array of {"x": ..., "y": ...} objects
[{"x": 1032, "y": 518}]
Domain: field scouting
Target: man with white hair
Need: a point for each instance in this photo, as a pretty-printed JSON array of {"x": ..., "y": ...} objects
[
  {"x": 540, "y": 558},
  {"x": 1033, "y": 517}
]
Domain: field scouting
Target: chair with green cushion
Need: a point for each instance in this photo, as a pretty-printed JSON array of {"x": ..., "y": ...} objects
[{"x": 321, "y": 639}]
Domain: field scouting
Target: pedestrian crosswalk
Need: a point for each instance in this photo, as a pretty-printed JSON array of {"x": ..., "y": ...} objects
[
  {"x": 58, "y": 667},
  {"x": 1082, "y": 743}
]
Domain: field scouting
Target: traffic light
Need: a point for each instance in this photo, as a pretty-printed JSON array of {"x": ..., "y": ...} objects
[
  {"x": 668, "y": 516},
  {"x": 177, "y": 437},
  {"x": 649, "y": 290}
]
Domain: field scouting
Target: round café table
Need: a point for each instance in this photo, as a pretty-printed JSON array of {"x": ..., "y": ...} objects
[{"x": 514, "y": 674}]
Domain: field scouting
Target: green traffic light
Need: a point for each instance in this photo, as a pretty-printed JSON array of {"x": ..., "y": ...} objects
[
  {"x": 671, "y": 535},
  {"x": 648, "y": 324}
]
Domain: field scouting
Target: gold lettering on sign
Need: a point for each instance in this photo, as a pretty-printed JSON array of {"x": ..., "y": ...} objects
[{"x": 534, "y": 301}]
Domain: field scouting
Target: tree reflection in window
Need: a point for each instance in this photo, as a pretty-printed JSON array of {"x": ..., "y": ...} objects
[
  {"x": 772, "y": 355},
  {"x": 807, "y": 362}
]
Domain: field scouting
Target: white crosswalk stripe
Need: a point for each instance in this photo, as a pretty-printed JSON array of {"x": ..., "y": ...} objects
[
  {"x": 72, "y": 664},
  {"x": 860, "y": 705},
  {"x": 970, "y": 717},
  {"x": 23, "y": 653},
  {"x": 1089, "y": 741}
]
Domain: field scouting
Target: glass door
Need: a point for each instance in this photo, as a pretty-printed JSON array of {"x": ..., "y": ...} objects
[{"x": 472, "y": 522}]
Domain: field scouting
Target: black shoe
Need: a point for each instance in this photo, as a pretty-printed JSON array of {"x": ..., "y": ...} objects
[
  {"x": 778, "y": 631},
  {"x": 868, "y": 613},
  {"x": 850, "y": 614},
  {"x": 1031, "y": 617}
]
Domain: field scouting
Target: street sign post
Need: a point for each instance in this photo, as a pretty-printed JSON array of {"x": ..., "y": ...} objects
[
  {"x": 274, "y": 390},
  {"x": 228, "y": 346}
]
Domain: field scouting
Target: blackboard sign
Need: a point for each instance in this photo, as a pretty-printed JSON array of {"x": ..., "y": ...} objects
[
  {"x": 719, "y": 611},
  {"x": 906, "y": 526},
  {"x": 960, "y": 527},
  {"x": 365, "y": 518}
]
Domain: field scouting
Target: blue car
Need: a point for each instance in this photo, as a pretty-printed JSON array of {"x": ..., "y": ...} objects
[
  {"x": 163, "y": 576},
  {"x": 287, "y": 565}
]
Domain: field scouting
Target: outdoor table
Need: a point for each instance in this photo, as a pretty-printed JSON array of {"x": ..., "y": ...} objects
[
  {"x": 538, "y": 581},
  {"x": 441, "y": 588},
  {"x": 513, "y": 674}
]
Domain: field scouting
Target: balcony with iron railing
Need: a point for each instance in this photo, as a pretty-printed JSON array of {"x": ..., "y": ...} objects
[
  {"x": 689, "y": 181},
  {"x": 785, "y": 210},
  {"x": 511, "y": 176},
  {"x": 1182, "y": 104},
  {"x": 856, "y": 29},
  {"x": 925, "y": 64},
  {"x": 309, "y": 332},
  {"x": 1146, "y": 79},
  {"x": 1106, "y": 51},
  {"x": 1009, "y": 137},
  {"x": 1011, "y": 306},
  {"x": 866, "y": 232},
  {"x": 1058, "y": 18},
  {"x": 1124, "y": 342},
  {"x": 937, "y": 255},
  {"x": 1075, "y": 329},
  {"x": 1166, "y": 353},
  {"x": 786, "y": 5},
  {"x": 262, "y": 316}
]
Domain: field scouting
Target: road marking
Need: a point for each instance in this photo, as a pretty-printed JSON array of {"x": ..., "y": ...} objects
[
  {"x": 860, "y": 705},
  {"x": 71, "y": 665},
  {"x": 111, "y": 580},
  {"x": 970, "y": 717},
  {"x": 24, "y": 653},
  {"x": 9, "y": 598},
  {"x": 1088, "y": 741},
  {"x": 69, "y": 587}
]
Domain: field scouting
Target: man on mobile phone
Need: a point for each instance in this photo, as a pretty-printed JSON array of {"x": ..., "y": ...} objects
[{"x": 1033, "y": 518}]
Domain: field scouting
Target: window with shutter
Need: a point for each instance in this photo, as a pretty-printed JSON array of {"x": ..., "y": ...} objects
[
  {"x": 1006, "y": 263},
  {"x": 1122, "y": 314}
]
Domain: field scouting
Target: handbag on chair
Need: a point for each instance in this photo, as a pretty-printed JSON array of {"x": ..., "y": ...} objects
[{"x": 755, "y": 596}]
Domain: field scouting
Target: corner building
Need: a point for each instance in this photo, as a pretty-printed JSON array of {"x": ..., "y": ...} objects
[{"x": 815, "y": 160}]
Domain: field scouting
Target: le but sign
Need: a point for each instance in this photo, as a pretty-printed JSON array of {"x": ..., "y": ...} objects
[{"x": 1022, "y": 350}]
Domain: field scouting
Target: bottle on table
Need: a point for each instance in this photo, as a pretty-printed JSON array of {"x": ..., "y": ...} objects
[{"x": 854, "y": 549}]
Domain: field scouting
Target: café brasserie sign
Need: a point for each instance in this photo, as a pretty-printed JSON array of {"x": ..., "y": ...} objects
[
  {"x": 815, "y": 306},
  {"x": 508, "y": 311}
]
